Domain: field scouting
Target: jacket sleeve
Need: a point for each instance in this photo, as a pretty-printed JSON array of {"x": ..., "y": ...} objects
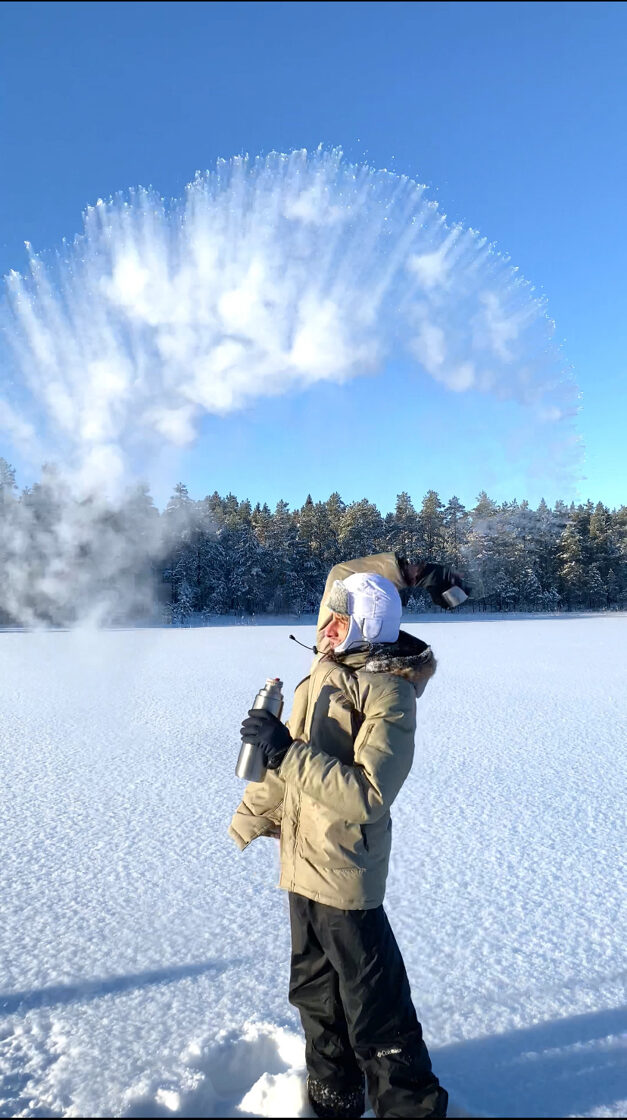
[
  {"x": 383, "y": 563},
  {"x": 384, "y": 751},
  {"x": 260, "y": 810}
]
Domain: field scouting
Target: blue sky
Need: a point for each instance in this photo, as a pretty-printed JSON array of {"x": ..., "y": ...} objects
[{"x": 514, "y": 114}]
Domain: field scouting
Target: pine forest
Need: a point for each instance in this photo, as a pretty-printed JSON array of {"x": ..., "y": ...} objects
[{"x": 221, "y": 556}]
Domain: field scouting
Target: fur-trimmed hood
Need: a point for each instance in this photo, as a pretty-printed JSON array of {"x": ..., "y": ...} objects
[{"x": 407, "y": 657}]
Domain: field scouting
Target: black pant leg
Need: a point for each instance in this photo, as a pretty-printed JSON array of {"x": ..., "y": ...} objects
[
  {"x": 382, "y": 1022},
  {"x": 314, "y": 990}
]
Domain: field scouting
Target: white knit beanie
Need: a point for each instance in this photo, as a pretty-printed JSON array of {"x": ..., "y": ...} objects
[{"x": 374, "y": 606}]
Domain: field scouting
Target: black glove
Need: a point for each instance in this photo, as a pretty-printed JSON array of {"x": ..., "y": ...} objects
[
  {"x": 263, "y": 729},
  {"x": 436, "y": 578}
]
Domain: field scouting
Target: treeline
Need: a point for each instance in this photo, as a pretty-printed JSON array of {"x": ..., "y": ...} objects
[
  {"x": 233, "y": 558},
  {"x": 223, "y": 556}
]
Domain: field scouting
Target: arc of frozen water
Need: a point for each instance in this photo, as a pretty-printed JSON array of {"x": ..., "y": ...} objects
[{"x": 268, "y": 273}]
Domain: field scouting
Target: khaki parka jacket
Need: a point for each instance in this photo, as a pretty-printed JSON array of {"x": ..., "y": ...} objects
[{"x": 353, "y": 723}]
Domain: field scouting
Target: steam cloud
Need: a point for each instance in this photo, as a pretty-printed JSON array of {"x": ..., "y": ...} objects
[{"x": 268, "y": 273}]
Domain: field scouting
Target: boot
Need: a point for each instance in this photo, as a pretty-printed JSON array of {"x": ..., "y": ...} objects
[{"x": 327, "y": 1101}]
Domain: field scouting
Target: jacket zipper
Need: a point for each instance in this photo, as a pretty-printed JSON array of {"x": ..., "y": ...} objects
[
  {"x": 296, "y": 831},
  {"x": 307, "y": 730}
]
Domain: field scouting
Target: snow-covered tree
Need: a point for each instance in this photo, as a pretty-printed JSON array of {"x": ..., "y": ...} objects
[
  {"x": 455, "y": 521},
  {"x": 572, "y": 565},
  {"x": 59, "y": 554},
  {"x": 361, "y": 529},
  {"x": 432, "y": 526}
]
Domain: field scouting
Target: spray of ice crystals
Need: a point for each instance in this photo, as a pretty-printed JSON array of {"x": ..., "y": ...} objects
[{"x": 268, "y": 274}]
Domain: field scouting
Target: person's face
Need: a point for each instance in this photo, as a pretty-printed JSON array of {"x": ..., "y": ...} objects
[{"x": 337, "y": 630}]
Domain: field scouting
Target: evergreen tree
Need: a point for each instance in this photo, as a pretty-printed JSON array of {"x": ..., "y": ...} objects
[
  {"x": 492, "y": 561},
  {"x": 246, "y": 575},
  {"x": 213, "y": 572},
  {"x": 572, "y": 569},
  {"x": 547, "y": 527},
  {"x": 529, "y": 590},
  {"x": 137, "y": 575},
  {"x": 213, "y": 506},
  {"x": 361, "y": 529},
  {"x": 8, "y": 526},
  {"x": 403, "y": 529},
  {"x": 334, "y": 508},
  {"x": 244, "y": 512},
  {"x": 596, "y": 588},
  {"x": 7, "y": 479},
  {"x": 312, "y": 522},
  {"x": 286, "y": 587},
  {"x": 178, "y": 508},
  {"x": 185, "y": 601},
  {"x": 619, "y": 537},
  {"x": 432, "y": 525},
  {"x": 455, "y": 530},
  {"x": 327, "y": 544},
  {"x": 230, "y": 508},
  {"x": 603, "y": 549},
  {"x": 182, "y": 569},
  {"x": 261, "y": 520},
  {"x": 613, "y": 589},
  {"x": 485, "y": 507},
  {"x": 308, "y": 525},
  {"x": 46, "y": 556}
]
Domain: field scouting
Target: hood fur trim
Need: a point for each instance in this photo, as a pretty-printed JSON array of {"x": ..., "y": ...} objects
[{"x": 408, "y": 657}]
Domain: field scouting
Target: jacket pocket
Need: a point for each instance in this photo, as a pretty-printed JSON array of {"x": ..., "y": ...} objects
[
  {"x": 336, "y": 846},
  {"x": 377, "y": 838}
]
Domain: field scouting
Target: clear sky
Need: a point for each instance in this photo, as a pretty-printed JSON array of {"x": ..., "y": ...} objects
[{"x": 514, "y": 114}]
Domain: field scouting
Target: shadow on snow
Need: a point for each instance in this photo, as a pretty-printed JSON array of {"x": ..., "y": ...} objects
[
  {"x": 80, "y": 992},
  {"x": 551, "y": 1069}
]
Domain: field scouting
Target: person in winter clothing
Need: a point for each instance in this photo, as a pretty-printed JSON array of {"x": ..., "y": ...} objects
[{"x": 333, "y": 773}]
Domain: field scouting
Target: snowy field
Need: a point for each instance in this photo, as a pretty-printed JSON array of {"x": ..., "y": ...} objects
[{"x": 144, "y": 960}]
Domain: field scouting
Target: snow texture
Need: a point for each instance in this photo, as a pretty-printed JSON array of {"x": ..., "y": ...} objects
[{"x": 145, "y": 960}]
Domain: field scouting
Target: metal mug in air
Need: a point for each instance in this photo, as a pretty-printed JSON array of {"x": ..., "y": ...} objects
[
  {"x": 454, "y": 596},
  {"x": 250, "y": 764}
]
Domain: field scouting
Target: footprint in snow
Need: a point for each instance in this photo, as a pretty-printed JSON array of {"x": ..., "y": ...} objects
[{"x": 258, "y": 1071}]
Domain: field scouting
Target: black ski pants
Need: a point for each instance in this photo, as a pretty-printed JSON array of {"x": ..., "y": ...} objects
[{"x": 349, "y": 983}]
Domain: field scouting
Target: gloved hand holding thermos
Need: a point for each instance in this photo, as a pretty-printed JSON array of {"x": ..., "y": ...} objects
[{"x": 265, "y": 740}]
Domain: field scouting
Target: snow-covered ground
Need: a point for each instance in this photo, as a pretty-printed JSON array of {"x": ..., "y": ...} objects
[{"x": 144, "y": 961}]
